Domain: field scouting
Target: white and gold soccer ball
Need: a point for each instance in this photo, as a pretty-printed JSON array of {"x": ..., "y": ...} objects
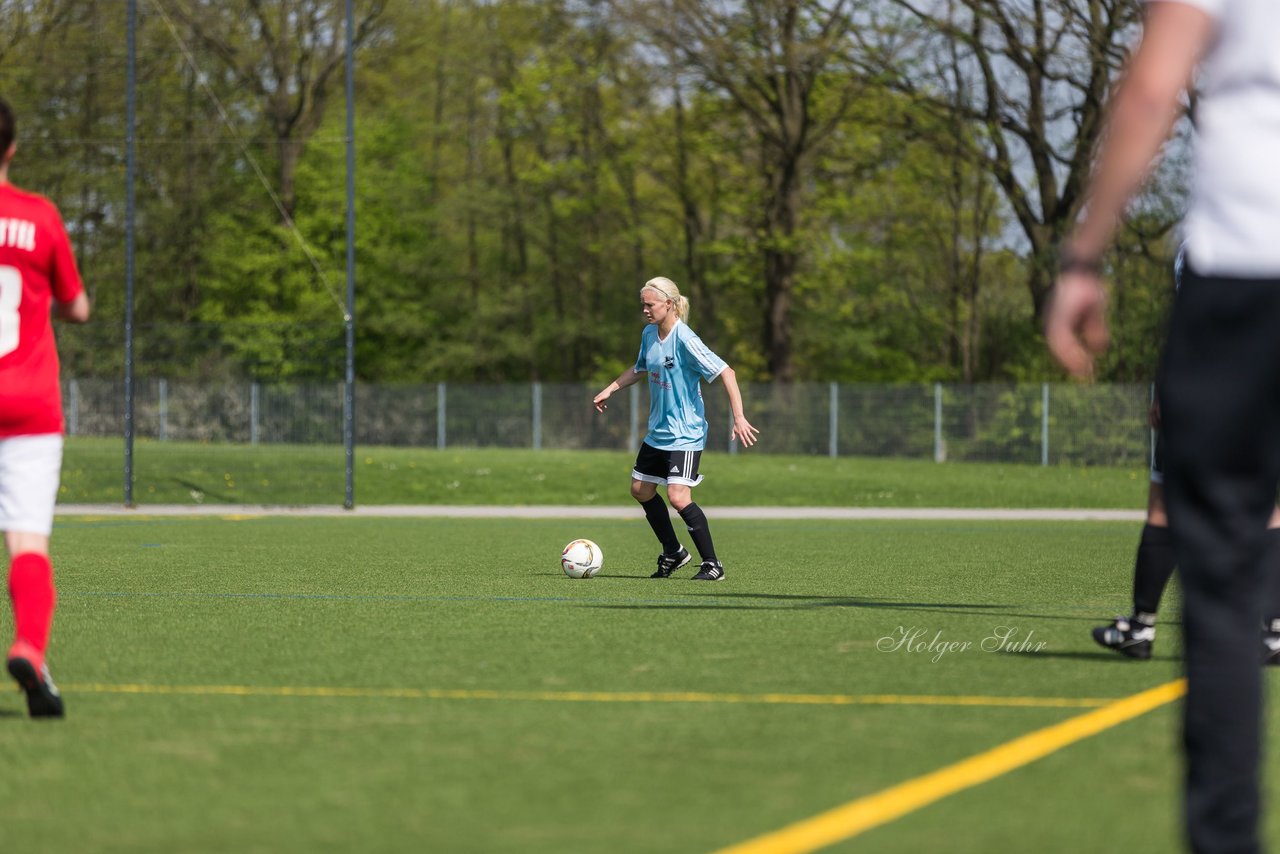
[{"x": 581, "y": 559}]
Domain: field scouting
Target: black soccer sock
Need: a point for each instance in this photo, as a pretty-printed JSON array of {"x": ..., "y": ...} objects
[
  {"x": 1271, "y": 580},
  {"x": 655, "y": 510},
  {"x": 696, "y": 520},
  {"x": 1152, "y": 569}
]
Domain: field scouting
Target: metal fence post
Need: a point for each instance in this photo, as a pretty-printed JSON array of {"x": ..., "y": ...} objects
[
  {"x": 939, "y": 451},
  {"x": 989, "y": 422},
  {"x": 164, "y": 410},
  {"x": 733, "y": 442},
  {"x": 441, "y": 411},
  {"x": 73, "y": 407},
  {"x": 633, "y": 428},
  {"x": 833, "y": 443},
  {"x": 1044, "y": 424},
  {"x": 537, "y": 416},
  {"x": 255, "y": 414}
]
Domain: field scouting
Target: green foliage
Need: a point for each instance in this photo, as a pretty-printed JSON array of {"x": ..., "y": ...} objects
[{"x": 543, "y": 163}]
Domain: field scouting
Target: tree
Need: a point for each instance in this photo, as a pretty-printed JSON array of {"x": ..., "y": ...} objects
[
  {"x": 18, "y": 21},
  {"x": 906, "y": 280},
  {"x": 770, "y": 58},
  {"x": 1031, "y": 78},
  {"x": 288, "y": 54},
  {"x": 549, "y": 156}
]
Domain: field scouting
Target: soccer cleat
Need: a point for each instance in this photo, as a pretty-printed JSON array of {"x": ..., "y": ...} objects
[
  {"x": 711, "y": 571},
  {"x": 1271, "y": 648},
  {"x": 32, "y": 674},
  {"x": 1127, "y": 637},
  {"x": 669, "y": 563}
]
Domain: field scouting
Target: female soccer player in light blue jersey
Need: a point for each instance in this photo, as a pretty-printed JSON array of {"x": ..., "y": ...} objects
[{"x": 675, "y": 361}]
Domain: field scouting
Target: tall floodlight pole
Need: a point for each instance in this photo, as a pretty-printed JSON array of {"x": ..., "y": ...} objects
[
  {"x": 349, "y": 392},
  {"x": 130, "y": 119}
]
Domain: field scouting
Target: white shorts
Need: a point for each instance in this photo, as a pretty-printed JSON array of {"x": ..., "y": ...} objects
[{"x": 30, "y": 467}]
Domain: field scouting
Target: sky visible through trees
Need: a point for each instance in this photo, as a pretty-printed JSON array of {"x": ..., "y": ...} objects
[{"x": 850, "y": 190}]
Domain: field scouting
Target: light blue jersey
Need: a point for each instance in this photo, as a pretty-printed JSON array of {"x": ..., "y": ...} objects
[{"x": 675, "y": 366}]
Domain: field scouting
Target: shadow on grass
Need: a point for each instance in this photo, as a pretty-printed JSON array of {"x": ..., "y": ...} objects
[
  {"x": 770, "y": 602},
  {"x": 1090, "y": 655},
  {"x": 800, "y": 602}
]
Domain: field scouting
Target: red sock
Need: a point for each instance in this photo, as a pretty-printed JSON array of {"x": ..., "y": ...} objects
[{"x": 31, "y": 589}]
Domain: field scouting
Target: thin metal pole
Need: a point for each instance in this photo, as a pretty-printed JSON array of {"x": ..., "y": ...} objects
[
  {"x": 349, "y": 397},
  {"x": 73, "y": 407},
  {"x": 1044, "y": 424},
  {"x": 442, "y": 414},
  {"x": 164, "y": 410},
  {"x": 939, "y": 450},
  {"x": 130, "y": 126},
  {"x": 255, "y": 413},
  {"x": 833, "y": 422},
  {"x": 537, "y": 416},
  {"x": 633, "y": 425}
]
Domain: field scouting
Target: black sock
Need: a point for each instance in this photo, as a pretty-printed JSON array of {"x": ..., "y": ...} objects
[
  {"x": 697, "y": 521},
  {"x": 1271, "y": 580},
  {"x": 655, "y": 510},
  {"x": 1152, "y": 570}
]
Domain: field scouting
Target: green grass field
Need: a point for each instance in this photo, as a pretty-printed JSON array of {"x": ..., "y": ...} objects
[
  {"x": 292, "y": 684},
  {"x": 173, "y": 472}
]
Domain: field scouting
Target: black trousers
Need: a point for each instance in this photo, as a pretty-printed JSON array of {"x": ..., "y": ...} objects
[{"x": 1220, "y": 417}]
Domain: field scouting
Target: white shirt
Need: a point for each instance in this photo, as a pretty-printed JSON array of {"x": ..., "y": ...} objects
[{"x": 1232, "y": 226}]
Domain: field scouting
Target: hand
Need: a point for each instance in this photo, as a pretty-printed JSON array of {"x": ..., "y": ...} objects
[
  {"x": 599, "y": 401},
  {"x": 1153, "y": 415},
  {"x": 743, "y": 431},
  {"x": 1075, "y": 326}
]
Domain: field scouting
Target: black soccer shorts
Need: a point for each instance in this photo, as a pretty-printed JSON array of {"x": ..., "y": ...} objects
[{"x": 667, "y": 467}]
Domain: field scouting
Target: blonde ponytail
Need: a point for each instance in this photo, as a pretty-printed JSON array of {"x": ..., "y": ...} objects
[{"x": 667, "y": 290}]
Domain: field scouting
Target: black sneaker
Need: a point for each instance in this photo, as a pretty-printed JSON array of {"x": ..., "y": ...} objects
[
  {"x": 43, "y": 699},
  {"x": 1127, "y": 637},
  {"x": 1271, "y": 648},
  {"x": 669, "y": 563},
  {"x": 711, "y": 571}
]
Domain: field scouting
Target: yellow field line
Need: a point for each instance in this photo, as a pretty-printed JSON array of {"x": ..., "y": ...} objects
[
  {"x": 596, "y": 696},
  {"x": 858, "y": 816}
]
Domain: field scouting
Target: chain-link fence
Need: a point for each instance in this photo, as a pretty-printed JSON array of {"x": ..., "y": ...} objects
[{"x": 1024, "y": 423}]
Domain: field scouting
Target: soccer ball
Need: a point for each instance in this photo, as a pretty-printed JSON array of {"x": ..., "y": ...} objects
[{"x": 581, "y": 559}]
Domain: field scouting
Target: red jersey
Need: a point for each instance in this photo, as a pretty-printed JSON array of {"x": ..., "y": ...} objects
[{"x": 36, "y": 267}]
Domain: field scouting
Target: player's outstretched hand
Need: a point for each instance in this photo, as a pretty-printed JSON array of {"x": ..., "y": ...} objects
[
  {"x": 599, "y": 401},
  {"x": 1076, "y": 325},
  {"x": 744, "y": 432}
]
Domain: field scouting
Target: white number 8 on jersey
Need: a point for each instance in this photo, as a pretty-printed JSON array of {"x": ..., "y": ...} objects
[{"x": 10, "y": 299}]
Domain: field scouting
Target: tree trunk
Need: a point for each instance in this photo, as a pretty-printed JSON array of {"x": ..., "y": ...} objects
[
  {"x": 780, "y": 267},
  {"x": 780, "y": 263},
  {"x": 290, "y": 149},
  {"x": 1040, "y": 277}
]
